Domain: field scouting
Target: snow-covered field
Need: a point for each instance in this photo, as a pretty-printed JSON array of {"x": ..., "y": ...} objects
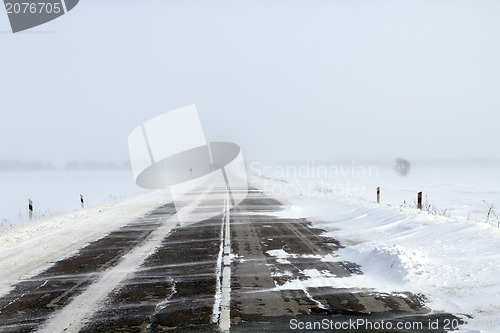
[
  {"x": 55, "y": 192},
  {"x": 453, "y": 190},
  {"x": 452, "y": 260}
]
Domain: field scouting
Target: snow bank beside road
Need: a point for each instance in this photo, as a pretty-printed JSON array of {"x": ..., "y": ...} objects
[{"x": 454, "y": 262}]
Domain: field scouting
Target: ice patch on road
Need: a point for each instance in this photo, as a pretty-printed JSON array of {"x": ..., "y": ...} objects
[
  {"x": 314, "y": 273},
  {"x": 282, "y": 254}
]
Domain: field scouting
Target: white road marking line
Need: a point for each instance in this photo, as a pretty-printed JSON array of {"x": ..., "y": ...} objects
[
  {"x": 218, "y": 287},
  {"x": 225, "y": 318},
  {"x": 222, "y": 303}
]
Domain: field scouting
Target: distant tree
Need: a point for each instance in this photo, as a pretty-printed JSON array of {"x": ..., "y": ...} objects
[{"x": 402, "y": 166}]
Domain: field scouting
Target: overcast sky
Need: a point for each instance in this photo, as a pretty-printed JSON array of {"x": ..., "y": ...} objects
[{"x": 286, "y": 80}]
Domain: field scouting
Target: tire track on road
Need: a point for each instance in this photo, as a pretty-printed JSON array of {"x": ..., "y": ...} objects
[
  {"x": 173, "y": 290},
  {"x": 32, "y": 301}
]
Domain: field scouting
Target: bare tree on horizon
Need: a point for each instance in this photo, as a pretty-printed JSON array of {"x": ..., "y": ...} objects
[{"x": 402, "y": 166}]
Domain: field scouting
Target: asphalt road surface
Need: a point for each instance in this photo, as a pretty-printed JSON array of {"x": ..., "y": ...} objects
[{"x": 154, "y": 275}]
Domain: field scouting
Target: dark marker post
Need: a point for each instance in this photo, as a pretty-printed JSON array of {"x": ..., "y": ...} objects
[
  {"x": 378, "y": 194},
  {"x": 81, "y": 200},
  {"x": 30, "y": 207},
  {"x": 419, "y": 200}
]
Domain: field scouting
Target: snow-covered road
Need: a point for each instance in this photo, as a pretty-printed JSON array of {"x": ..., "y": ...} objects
[
  {"x": 27, "y": 249},
  {"x": 128, "y": 265}
]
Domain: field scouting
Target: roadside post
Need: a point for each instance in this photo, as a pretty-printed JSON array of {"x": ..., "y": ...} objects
[{"x": 30, "y": 207}]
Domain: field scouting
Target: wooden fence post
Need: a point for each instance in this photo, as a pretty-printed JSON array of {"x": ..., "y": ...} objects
[
  {"x": 81, "y": 200},
  {"x": 419, "y": 200},
  {"x": 378, "y": 194},
  {"x": 30, "y": 207}
]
